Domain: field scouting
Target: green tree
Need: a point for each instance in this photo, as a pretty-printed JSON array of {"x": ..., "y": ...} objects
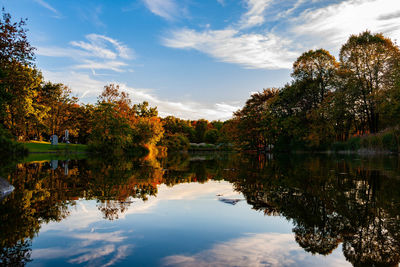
[
  {"x": 144, "y": 110},
  {"x": 110, "y": 131},
  {"x": 200, "y": 129},
  {"x": 57, "y": 97},
  {"x": 211, "y": 136},
  {"x": 254, "y": 127}
]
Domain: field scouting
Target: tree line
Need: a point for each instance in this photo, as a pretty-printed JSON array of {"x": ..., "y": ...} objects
[{"x": 327, "y": 101}]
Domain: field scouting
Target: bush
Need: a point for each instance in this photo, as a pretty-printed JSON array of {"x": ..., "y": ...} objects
[
  {"x": 339, "y": 146},
  {"x": 354, "y": 143},
  {"x": 375, "y": 141},
  {"x": 8, "y": 147},
  {"x": 389, "y": 142},
  {"x": 211, "y": 136},
  {"x": 365, "y": 142},
  {"x": 176, "y": 142}
]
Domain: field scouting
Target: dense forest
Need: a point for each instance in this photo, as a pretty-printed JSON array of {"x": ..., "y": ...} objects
[{"x": 347, "y": 104}]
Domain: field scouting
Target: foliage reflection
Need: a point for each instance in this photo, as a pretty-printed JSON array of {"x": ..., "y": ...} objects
[{"x": 330, "y": 200}]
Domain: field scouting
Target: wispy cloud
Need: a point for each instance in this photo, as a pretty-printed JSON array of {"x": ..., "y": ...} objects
[
  {"x": 97, "y": 52},
  {"x": 122, "y": 252},
  {"x": 97, "y": 65},
  {"x": 255, "y": 15},
  {"x": 47, "y": 6},
  {"x": 91, "y": 14},
  {"x": 267, "y": 249},
  {"x": 252, "y": 50},
  {"x": 221, "y": 2},
  {"x": 166, "y": 9},
  {"x": 94, "y": 254},
  {"x": 111, "y": 237},
  {"x": 99, "y": 46}
]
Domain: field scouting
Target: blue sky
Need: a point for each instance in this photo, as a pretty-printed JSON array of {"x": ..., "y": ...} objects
[{"x": 191, "y": 58}]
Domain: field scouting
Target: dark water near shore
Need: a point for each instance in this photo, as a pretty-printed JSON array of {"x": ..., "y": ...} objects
[{"x": 203, "y": 210}]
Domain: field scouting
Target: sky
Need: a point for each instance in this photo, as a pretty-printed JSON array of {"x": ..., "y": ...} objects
[{"x": 190, "y": 58}]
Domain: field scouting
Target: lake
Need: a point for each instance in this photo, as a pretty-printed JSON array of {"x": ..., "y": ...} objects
[{"x": 203, "y": 210}]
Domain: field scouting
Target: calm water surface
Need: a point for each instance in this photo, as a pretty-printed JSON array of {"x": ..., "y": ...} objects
[{"x": 203, "y": 210}]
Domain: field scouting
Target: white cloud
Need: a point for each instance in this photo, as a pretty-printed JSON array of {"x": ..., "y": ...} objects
[
  {"x": 255, "y": 14},
  {"x": 111, "y": 237},
  {"x": 87, "y": 88},
  {"x": 94, "y": 254},
  {"x": 267, "y": 249},
  {"x": 185, "y": 110},
  {"x": 81, "y": 84},
  {"x": 277, "y": 47},
  {"x": 98, "y": 65},
  {"x": 122, "y": 252},
  {"x": 253, "y": 50},
  {"x": 61, "y": 52},
  {"x": 331, "y": 26},
  {"x": 99, "y": 46},
  {"x": 163, "y": 8},
  {"x": 97, "y": 52}
]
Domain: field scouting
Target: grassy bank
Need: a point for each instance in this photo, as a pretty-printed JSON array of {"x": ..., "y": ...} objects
[
  {"x": 46, "y": 147},
  {"x": 387, "y": 141}
]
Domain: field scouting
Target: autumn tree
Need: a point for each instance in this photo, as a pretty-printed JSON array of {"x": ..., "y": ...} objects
[
  {"x": 117, "y": 124},
  {"x": 372, "y": 62},
  {"x": 18, "y": 77},
  {"x": 316, "y": 68}
]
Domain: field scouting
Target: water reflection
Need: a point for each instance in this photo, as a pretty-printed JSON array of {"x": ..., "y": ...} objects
[{"x": 332, "y": 202}]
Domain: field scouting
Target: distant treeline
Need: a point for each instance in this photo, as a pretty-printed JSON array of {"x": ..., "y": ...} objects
[{"x": 328, "y": 102}]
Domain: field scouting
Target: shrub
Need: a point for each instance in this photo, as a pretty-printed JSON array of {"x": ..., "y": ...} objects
[
  {"x": 211, "y": 136},
  {"x": 354, "y": 143},
  {"x": 339, "y": 146},
  {"x": 176, "y": 142},
  {"x": 8, "y": 147},
  {"x": 375, "y": 141},
  {"x": 389, "y": 141}
]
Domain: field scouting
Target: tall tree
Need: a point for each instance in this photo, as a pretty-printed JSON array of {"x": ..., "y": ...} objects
[
  {"x": 57, "y": 97},
  {"x": 16, "y": 57},
  {"x": 317, "y": 68},
  {"x": 372, "y": 61},
  {"x": 256, "y": 128}
]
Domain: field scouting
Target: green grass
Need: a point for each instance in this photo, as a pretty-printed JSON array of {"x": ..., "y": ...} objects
[{"x": 46, "y": 147}]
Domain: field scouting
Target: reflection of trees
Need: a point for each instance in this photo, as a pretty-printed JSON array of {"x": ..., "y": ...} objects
[
  {"x": 17, "y": 255},
  {"x": 331, "y": 201},
  {"x": 44, "y": 194}
]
